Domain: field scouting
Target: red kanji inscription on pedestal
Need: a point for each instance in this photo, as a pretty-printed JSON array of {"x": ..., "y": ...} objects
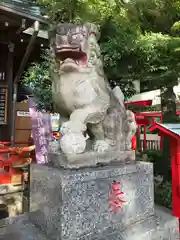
[{"x": 115, "y": 198}]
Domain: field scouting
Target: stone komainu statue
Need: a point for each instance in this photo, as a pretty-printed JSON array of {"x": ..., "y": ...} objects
[{"x": 82, "y": 94}]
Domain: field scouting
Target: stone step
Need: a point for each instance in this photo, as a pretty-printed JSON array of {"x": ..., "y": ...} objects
[
  {"x": 20, "y": 229},
  {"x": 161, "y": 227},
  {"x": 168, "y": 226}
]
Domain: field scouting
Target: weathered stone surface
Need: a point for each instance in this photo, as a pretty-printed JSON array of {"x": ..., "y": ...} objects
[
  {"x": 89, "y": 159},
  {"x": 73, "y": 204}
]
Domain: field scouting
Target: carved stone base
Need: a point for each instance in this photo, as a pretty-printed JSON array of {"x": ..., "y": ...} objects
[
  {"x": 91, "y": 159},
  {"x": 73, "y": 205}
]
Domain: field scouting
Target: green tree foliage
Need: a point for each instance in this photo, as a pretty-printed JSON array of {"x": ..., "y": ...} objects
[
  {"x": 118, "y": 44},
  {"x": 154, "y": 15},
  {"x": 158, "y": 54},
  {"x": 38, "y": 78},
  {"x": 162, "y": 180},
  {"x": 114, "y": 25},
  {"x": 78, "y": 10},
  {"x": 139, "y": 39}
]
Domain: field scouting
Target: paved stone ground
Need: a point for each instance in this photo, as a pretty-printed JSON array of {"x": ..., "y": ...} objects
[
  {"x": 23, "y": 231},
  {"x": 19, "y": 228},
  {"x": 168, "y": 225}
]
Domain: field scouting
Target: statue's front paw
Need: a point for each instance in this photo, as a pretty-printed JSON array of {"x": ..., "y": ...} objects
[{"x": 101, "y": 146}]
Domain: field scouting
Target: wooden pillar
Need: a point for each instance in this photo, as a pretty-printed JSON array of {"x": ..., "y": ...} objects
[{"x": 10, "y": 65}]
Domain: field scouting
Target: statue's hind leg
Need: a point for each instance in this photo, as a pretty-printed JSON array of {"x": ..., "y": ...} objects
[
  {"x": 99, "y": 144},
  {"x": 110, "y": 127}
]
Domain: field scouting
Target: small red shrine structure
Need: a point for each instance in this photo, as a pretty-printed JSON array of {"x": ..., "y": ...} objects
[
  {"x": 145, "y": 119},
  {"x": 12, "y": 159},
  {"x": 173, "y": 132}
]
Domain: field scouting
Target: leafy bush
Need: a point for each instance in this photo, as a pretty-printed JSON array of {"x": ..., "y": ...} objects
[
  {"x": 160, "y": 167},
  {"x": 38, "y": 78},
  {"x": 163, "y": 193},
  {"x": 162, "y": 184}
]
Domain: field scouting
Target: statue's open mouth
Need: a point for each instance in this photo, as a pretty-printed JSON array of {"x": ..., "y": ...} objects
[{"x": 69, "y": 56}]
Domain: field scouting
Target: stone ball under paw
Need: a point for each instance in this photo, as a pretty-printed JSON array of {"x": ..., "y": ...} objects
[
  {"x": 73, "y": 143},
  {"x": 73, "y": 127}
]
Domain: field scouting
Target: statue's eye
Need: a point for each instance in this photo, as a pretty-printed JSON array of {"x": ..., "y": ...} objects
[
  {"x": 74, "y": 37},
  {"x": 81, "y": 37},
  {"x": 93, "y": 55},
  {"x": 77, "y": 37},
  {"x": 53, "y": 45}
]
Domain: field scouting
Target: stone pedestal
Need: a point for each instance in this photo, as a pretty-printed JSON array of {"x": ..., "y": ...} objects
[
  {"x": 91, "y": 159},
  {"x": 73, "y": 204}
]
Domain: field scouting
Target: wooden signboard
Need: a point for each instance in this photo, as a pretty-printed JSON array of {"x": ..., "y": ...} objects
[
  {"x": 3, "y": 104},
  {"x": 23, "y": 123}
]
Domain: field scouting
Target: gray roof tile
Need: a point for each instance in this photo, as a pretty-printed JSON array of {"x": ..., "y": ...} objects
[{"x": 23, "y": 6}]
